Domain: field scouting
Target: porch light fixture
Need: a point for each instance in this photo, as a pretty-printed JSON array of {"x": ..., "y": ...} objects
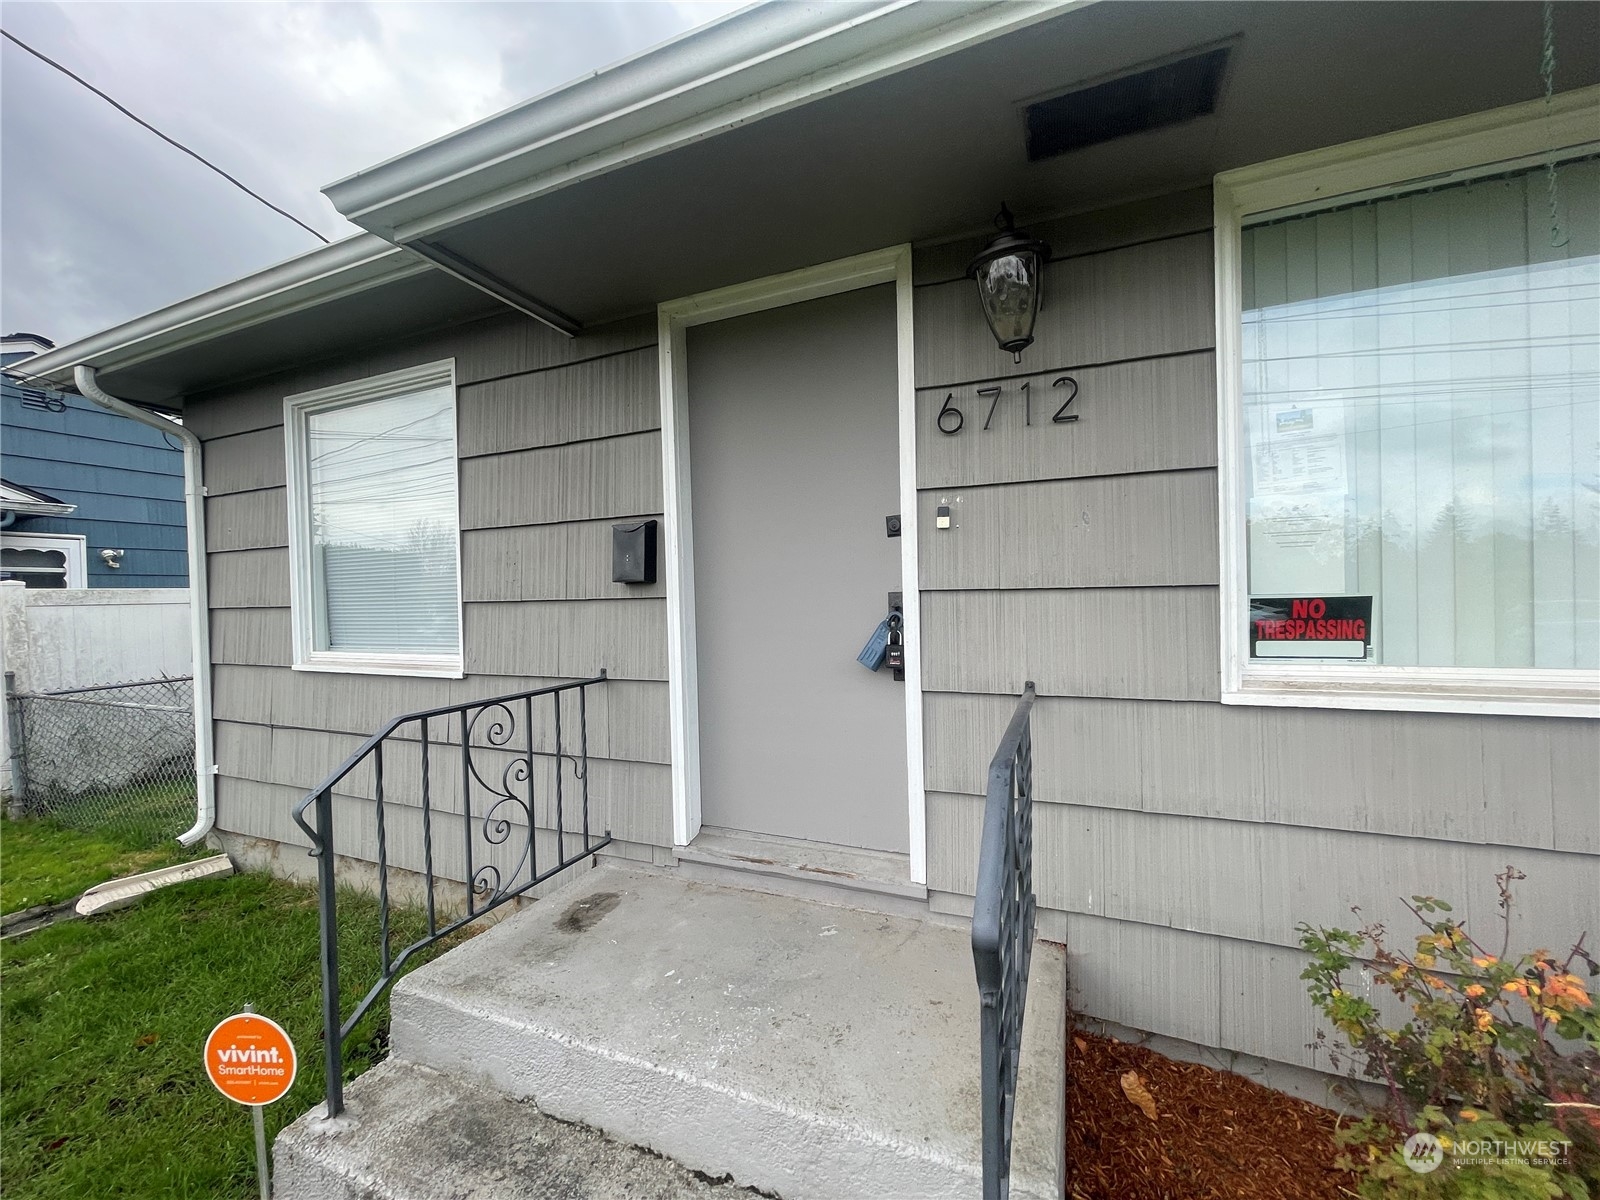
[{"x": 1008, "y": 272}]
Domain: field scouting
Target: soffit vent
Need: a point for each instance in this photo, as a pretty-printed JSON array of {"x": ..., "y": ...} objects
[{"x": 1149, "y": 99}]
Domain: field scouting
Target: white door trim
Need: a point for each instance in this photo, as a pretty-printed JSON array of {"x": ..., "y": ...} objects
[{"x": 674, "y": 318}]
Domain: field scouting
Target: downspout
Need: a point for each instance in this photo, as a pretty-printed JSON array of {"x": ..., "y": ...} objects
[{"x": 199, "y": 598}]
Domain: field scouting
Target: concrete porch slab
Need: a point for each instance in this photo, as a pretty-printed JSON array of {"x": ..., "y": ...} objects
[
  {"x": 806, "y": 1050},
  {"x": 414, "y": 1134}
]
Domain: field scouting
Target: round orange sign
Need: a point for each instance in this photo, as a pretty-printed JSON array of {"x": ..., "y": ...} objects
[{"x": 250, "y": 1059}]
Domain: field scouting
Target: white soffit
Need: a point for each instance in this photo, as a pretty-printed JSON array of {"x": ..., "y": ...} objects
[{"x": 761, "y": 60}]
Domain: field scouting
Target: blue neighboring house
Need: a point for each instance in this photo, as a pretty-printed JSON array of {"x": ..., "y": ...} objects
[{"x": 87, "y": 498}]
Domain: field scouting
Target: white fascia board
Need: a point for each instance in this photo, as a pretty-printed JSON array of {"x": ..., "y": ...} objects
[
  {"x": 25, "y": 506},
  {"x": 756, "y": 63},
  {"x": 345, "y": 268},
  {"x": 24, "y": 343},
  {"x": 25, "y": 499}
]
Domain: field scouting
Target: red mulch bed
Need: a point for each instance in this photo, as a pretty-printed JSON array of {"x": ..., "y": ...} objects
[{"x": 1216, "y": 1136}]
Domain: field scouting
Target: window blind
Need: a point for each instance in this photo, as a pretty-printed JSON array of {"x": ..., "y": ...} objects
[
  {"x": 1421, "y": 380},
  {"x": 384, "y": 528}
]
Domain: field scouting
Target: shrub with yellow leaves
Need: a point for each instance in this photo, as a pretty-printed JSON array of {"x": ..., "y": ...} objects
[{"x": 1509, "y": 1042}]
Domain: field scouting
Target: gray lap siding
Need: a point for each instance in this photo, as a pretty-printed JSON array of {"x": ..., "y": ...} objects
[
  {"x": 1178, "y": 840},
  {"x": 556, "y": 438}
]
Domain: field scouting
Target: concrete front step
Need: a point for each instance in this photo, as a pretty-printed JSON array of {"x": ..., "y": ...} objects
[
  {"x": 414, "y": 1134},
  {"x": 805, "y": 1050},
  {"x": 866, "y": 879}
]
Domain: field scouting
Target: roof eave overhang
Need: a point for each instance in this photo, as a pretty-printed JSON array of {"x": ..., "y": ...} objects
[
  {"x": 345, "y": 268},
  {"x": 27, "y": 508},
  {"x": 758, "y": 62},
  {"x": 25, "y": 502}
]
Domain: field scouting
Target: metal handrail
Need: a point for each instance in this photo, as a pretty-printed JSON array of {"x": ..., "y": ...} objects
[
  {"x": 487, "y": 887},
  {"x": 1003, "y": 917}
]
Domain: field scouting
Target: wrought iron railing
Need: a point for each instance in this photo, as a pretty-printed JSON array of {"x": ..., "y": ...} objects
[
  {"x": 503, "y": 730},
  {"x": 1002, "y": 937}
]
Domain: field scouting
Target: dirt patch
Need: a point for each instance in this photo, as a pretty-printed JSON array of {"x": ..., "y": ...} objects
[
  {"x": 1215, "y": 1136},
  {"x": 585, "y": 914}
]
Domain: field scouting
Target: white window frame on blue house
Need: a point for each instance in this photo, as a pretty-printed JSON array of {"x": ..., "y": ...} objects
[
  {"x": 1523, "y": 135},
  {"x": 72, "y": 547},
  {"x": 305, "y": 598}
]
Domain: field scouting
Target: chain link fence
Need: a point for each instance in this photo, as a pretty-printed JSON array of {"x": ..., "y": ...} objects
[{"x": 117, "y": 758}]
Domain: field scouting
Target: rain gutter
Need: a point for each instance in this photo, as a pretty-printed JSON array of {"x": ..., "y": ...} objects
[
  {"x": 327, "y": 273},
  {"x": 761, "y": 60}
]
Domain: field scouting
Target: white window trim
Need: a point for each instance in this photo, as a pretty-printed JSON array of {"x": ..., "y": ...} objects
[
  {"x": 296, "y": 409},
  {"x": 75, "y": 547},
  {"x": 1391, "y": 163}
]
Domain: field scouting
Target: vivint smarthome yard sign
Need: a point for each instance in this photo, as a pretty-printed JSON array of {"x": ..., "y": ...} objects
[{"x": 250, "y": 1059}]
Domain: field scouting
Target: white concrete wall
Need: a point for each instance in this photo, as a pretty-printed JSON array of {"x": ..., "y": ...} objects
[{"x": 53, "y": 639}]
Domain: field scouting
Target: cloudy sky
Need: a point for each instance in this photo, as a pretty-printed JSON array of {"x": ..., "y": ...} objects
[{"x": 101, "y": 221}]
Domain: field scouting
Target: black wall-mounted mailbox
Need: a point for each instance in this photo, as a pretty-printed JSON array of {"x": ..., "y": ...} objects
[{"x": 633, "y": 552}]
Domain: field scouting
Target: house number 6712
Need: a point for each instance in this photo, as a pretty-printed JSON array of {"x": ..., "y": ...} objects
[{"x": 951, "y": 420}]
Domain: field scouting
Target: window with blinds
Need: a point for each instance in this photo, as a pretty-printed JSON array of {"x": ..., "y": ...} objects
[
  {"x": 1421, "y": 417},
  {"x": 374, "y": 470}
]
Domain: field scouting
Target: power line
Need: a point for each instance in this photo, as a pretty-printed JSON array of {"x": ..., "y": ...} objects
[{"x": 11, "y": 37}]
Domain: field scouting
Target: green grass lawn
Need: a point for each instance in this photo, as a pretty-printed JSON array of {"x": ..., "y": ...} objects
[
  {"x": 102, "y": 1021},
  {"x": 141, "y": 816},
  {"x": 45, "y": 863}
]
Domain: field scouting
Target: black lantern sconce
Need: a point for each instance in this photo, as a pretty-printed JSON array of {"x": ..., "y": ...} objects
[{"x": 1009, "y": 272}]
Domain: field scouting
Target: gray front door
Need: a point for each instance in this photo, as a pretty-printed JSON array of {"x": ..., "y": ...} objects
[{"x": 794, "y": 464}]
